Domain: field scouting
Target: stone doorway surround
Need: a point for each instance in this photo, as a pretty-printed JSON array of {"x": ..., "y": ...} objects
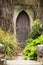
[{"x": 19, "y": 9}]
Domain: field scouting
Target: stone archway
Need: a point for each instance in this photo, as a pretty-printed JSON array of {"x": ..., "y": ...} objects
[
  {"x": 29, "y": 16},
  {"x": 22, "y": 26},
  {"x": 29, "y": 12}
]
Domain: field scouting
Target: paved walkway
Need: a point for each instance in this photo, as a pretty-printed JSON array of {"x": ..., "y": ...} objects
[
  {"x": 22, "y": 62},
  {"x": 20, "y": 57}
]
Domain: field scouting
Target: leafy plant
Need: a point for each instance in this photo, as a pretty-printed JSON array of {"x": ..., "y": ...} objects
[
  {"x": 10, "y": 44},
  {"x": 35, "y": 38},
  {"x": 37, "y": 29},
  {"x": 30, "y": 51}
]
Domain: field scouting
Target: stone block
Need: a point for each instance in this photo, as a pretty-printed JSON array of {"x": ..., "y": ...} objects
[
  {"x": 1, "y": 48},
  {"x": 1, "y": 51},
  {"x": 40, "y": 53},
  {"x": 2, "y": 62}
]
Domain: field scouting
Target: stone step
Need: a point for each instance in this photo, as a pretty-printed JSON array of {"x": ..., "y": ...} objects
[
  {"x": 21, "y": 46},
  {"x": 22, "y": 62}
]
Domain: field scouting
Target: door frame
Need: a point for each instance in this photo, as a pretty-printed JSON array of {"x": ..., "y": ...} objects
[{"x": 19, "y": 9}]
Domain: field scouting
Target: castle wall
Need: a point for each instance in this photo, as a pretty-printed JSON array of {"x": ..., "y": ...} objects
[{"x": 7, "y": 9}]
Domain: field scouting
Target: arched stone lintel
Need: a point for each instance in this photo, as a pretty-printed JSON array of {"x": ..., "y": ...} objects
[{"x": 17, "y": 11}]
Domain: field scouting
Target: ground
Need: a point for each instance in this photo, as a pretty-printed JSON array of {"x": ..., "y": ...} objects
[
  {"x": 20, "y": 61},
  {"x": 23, "y": 62}
]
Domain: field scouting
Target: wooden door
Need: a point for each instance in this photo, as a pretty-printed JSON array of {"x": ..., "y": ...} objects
[{"x": 22, "y": 26}]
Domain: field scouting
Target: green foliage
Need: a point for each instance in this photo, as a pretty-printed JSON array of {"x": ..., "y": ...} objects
[
  {"x": 37, "y": 29},
  {"x": 35, "y": 38},
  {"x": 30, "y": 51},
  {"x": 10, "y": 44}
]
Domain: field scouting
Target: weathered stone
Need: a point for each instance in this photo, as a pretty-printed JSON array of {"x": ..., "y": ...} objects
[
  {"x": 40, "y": 53},
  {"x": 7, "y": 8},
  {"x": 2, "y": 62},
  {"x": 1, "y": 48},
  {"x": 22, "y": 62}
]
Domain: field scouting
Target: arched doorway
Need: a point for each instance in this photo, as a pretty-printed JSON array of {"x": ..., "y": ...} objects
[{"x": 22, "y": 26}]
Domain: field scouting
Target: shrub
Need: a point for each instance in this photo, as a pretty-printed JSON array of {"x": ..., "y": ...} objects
[
  {"x": 34, "y": 38},
  {"x": 10, "y": 44},
  {"x": 37, "y": 29},
  {"x": 30, "y": 51}
]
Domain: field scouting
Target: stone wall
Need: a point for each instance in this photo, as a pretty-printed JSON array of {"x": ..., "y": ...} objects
[
  {"x": 41, "y": 7},
  {"x": 40, "y": 53},
  {"x": 7, "y": 10},
  {"x": 6, "y": 15}
]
